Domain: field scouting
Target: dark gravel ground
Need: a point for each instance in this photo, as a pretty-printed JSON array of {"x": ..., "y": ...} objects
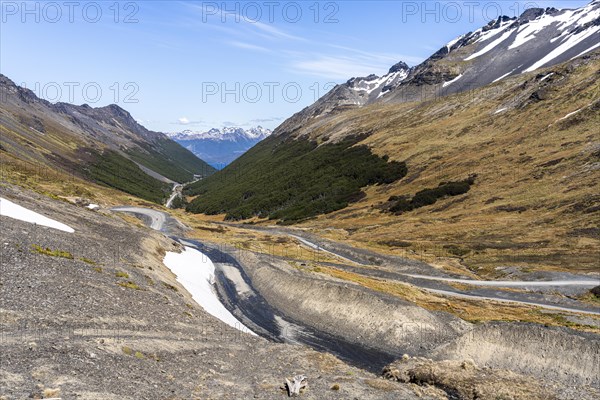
[{"x": 69, "y": 330}]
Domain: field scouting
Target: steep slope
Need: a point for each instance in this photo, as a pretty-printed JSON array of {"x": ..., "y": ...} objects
[
  {"x": 105, "y": 145},
  {"x": 532, "y": 143},
  {"x": 219, "y": 147},
  {"x": 503, "y": 48},
  {"x": 529, "y": 144}
]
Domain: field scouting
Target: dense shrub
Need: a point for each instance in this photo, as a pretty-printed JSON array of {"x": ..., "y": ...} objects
[
  {"x": 290, "y": 180},
  {"x": 428, "y": 197},
  {"x": 178, "y": 202}
]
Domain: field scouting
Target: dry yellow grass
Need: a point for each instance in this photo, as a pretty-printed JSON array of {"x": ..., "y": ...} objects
[
  {"x": 535, "y": 200},
  {"x": 207, "y": 228},
  {"x": 469, "y": 310},
  {"x": 54, "y": 183}
]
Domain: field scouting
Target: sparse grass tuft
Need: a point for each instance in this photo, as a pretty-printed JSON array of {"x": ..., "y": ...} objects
[
  {"x": 121, "y": 274},
  {"x": 51, "y": 393},
  {"x": 129, "y": 285},
  {"x": 52, "y": 253},
  {"x": 130, "y": 352},
  {"x": 87, "y": 261},
  {"x": 171, "y": 287}
]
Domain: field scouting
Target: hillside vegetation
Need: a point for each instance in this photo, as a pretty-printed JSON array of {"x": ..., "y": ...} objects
[
  {"x": 171, "y": 160},
  {"x": 532, "y": 141},
  {"x": 114, "y": 170},
  {"x": 290, "y": 180}
]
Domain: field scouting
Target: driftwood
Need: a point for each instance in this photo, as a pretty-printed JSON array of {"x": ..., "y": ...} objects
[{"x": 300, "y": 382}]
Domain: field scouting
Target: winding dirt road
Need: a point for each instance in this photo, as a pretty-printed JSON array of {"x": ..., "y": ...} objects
[{"x": 158, "y": 220}]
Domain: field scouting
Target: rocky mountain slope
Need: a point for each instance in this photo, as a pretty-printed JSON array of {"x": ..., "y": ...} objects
[
  {"x": 504, "y": 47},
  {"x": 497, "y": 179},
  {"x": 104, "y": 145},
  {"x": 220, "y": 147},
  {"x": 98, "y": 316}
]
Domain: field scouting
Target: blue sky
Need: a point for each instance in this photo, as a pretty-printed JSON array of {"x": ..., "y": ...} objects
[{"x": 196, "y": 65}]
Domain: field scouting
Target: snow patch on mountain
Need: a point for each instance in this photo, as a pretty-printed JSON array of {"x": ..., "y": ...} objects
[
  {"x": 565, "y": 46},
  {"x": 490, "y": 46},
  {"x": 452, "y": 81}
]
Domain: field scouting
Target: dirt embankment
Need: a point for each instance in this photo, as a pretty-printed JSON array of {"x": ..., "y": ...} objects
[
  {"x": 349, "y": 311},
  {"x": 557, "y": 354},
  {"x": 560, "y": 356}
]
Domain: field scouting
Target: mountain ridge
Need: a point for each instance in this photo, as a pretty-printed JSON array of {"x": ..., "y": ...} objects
[
  {"x": 105, "y": 145},
  {"x": 511, "y": 45},
  {"x": 226, "y": 133}
]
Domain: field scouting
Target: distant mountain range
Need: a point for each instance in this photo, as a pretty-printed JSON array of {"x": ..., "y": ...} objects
[{"x": 219, "y": 147}]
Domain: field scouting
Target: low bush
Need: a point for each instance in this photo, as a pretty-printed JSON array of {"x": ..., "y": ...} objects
[{"x": 428, "y": 197}]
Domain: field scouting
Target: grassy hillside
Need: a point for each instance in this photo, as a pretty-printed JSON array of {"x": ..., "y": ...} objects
[
  {"x": 112, "y": 169},
  {"x": 531, "y": 142},
  {"x": 291, "y": 180},
  {"x": 534, "y": 145},
  {"x": 171, "y": 160}
]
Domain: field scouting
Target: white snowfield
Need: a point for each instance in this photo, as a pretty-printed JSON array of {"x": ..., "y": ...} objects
[
  {"x": 490, "y": 46},
  {"x": 196, "y": 272},
  {"x": 452, "y": 81},
  {"x": 572, "y": 40},
  {"x": 12, "y": 210}
]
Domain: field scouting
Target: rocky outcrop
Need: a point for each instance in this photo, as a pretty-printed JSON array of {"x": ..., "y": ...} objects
[{"x": 466, "y": 381}]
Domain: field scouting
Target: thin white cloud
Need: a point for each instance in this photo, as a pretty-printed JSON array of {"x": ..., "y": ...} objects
[
  {"x": 187, "y": 121},
  {"x": 340, "y": 67},
  {"x": 248, "y": 46},
  {"x": 263, "y": 120},
  {"x": 275, "y": 33},
  {"x": 388, "y": 58},
  {"x": 232, "y": 21}
]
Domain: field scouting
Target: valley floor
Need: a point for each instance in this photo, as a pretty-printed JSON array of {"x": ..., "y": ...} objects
[{"x": 95, "y": 314}]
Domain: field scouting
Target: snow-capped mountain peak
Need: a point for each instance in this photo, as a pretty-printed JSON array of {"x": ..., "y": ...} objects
[
  {"x": 219, "y": 147},
  {"x": 373, "y": 87},
  {"x": 545, "y": 36},
  {"x": 231, "y": 134}
]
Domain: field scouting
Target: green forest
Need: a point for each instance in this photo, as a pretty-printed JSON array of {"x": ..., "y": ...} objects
[{"x": 291, "y": 180}]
